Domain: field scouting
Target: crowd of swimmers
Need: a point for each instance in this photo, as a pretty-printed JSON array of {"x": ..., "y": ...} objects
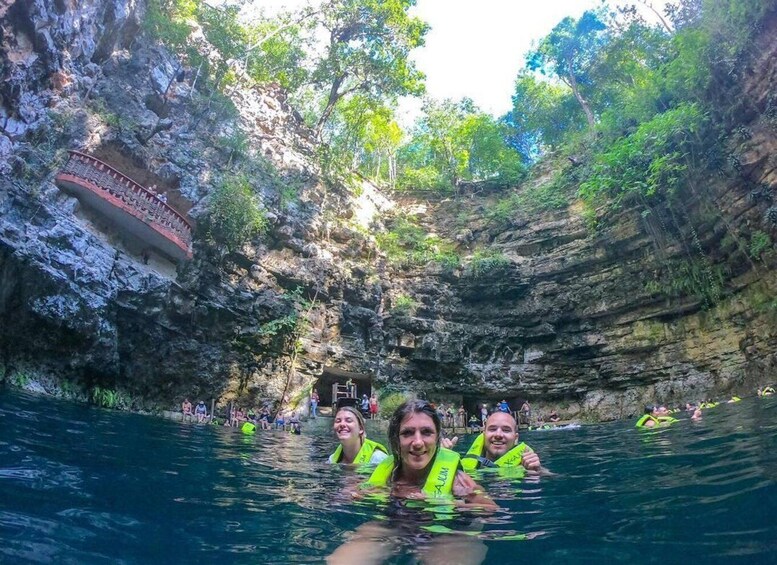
[{"x": 660, "y": 415}]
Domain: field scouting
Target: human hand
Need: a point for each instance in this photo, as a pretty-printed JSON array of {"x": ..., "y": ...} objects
[
  {"x": 449, "y": 443},
  {"x": 463, "y": 485},
  {"x": 530, "y": 460}
]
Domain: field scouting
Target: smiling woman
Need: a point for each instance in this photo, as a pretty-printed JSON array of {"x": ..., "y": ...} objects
[
  {"x": 419, "y": 467},
  {"x": 354, "y": 448}
]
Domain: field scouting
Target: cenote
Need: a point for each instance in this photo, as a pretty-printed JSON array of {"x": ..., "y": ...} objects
[{"x": 85, "y": 485}]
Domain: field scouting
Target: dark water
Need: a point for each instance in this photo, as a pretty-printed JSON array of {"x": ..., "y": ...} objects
[{"x": 81, "y": 485}]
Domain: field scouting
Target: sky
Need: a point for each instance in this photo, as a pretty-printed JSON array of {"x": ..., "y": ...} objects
[{"x": 475, "y": 48}]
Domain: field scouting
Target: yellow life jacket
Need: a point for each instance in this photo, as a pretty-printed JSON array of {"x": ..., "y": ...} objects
[
  {"x": 439, "y": 481},
  {"x": 248, "y": 428},
  {"x": 364, "y": 455},
  {"x": 656, "y": 419},
  {"x": 512, "y": 458},
  {"x": 767, "y": 391},
  {"x": 645, "y": 418}
]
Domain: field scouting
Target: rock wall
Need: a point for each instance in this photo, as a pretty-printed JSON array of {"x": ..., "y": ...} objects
[
  {"x": 572, "y": 320},
  {"x": 588, "y": 322}
]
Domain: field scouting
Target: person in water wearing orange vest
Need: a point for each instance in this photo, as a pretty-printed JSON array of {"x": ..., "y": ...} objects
[{"x": 498, "y": 446}]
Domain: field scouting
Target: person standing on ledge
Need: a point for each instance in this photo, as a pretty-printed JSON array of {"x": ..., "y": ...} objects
[
  {"x": 314, "y": 399},
  {"x": 525, "y": 413},
  {"x": 373, "y": 406},
  {"x": 498, "y": 446}
]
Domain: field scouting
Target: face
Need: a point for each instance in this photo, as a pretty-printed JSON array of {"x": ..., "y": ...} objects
[
  {"x": 499, "y": 435},
  {"x": 347, "y": 427},
  {"x": 417, "y": 441},
  {"x": 661, "y": 411}
]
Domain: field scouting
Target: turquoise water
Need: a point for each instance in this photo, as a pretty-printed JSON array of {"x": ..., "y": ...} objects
[{"x": 82, "y": 485}]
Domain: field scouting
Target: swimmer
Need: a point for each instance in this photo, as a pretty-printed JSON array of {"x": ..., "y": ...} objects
[
  {"x": 498, "y": 446},
  {"x": 655, "y": 415},
  {"x": 418, "y": 469},
  {"x": 354, "y": 448}
]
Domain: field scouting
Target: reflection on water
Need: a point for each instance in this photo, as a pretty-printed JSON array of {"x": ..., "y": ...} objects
[{"x": 81, "y": 485}]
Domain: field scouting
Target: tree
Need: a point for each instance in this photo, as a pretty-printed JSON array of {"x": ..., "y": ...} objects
[
  {"x": 367, "y": 51},
  {"x": 454, "y": 141},
  {"x": 543, "y": 115},
  {"x": 568, "y": 52},
  {"x": 490, "y": 157}
]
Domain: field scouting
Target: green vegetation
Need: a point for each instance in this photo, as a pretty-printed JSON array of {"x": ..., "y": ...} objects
[
  {"x": 407, "y": 243},
  {"x": 109, "y": 398},
  {"x": 404, "y": 305},
  {"x": 234, "y": 213},
  {"x": 389, "y": 400},
  {"x": 640, "y": 102},
  {"x": 454, "y": 143},
  {"x": 759, "y": 242},
  {"x": 488, "y": 261},
  {"x": 19, "y": 379},
  {"x": 649, "y": 161}
]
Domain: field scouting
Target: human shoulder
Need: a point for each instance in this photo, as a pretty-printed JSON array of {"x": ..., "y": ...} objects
[{"x": 377, "y": 456}]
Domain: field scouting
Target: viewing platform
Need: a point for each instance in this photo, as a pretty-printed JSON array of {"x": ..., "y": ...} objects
[{"x": 129, "y": 205}]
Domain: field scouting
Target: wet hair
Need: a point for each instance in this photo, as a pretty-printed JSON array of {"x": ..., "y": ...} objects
[
  {"x": 403, "y": 411},
  {"x": 357, "y": 415},
  {"x": 649, "y": 408}
]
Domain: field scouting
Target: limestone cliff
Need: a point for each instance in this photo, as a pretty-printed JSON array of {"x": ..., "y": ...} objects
[{"x": 569, "y": 319}]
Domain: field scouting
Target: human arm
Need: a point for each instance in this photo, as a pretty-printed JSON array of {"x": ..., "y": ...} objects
[{"x": 472, "y": 494}]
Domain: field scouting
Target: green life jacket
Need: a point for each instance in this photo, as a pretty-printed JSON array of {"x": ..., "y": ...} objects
[
  {"x": 767, "y": 390},
  {"x": 645, "y": 418},
  {"x": 656, "y": 420},
  {"x": 364, "y": 455},
  {"x": 512, "y": 458},
  {"x": 439, "y": 481},
  {"x": 248, "y": 428}
]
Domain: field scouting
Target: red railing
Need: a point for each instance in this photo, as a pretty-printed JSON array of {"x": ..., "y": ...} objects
[{"x": 138, "y": 200}]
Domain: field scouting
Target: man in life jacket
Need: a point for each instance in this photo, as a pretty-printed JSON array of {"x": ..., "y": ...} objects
[
  {"x": 655, "y": 415},
  {"x": 498, "y": 446}
]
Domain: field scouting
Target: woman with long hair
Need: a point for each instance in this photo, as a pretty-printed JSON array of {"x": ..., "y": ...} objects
[
  {"x": 419, "y": 466},
  {"x": 355, "y": 448}
]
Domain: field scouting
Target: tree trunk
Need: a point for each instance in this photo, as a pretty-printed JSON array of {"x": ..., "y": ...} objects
[
  {"x": 589, "y": 115},
  {"x": 334, "y": 96}
]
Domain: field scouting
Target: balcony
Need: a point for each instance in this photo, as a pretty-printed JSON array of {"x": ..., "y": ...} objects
[{"x": 129, "y": 205}]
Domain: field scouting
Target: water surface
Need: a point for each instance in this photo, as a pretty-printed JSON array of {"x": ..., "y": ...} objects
[{"x": 83, "y": 485}]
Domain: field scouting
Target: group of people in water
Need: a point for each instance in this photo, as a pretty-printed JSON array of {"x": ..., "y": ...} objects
[
  {"x": 659, "y": 414},
  {"x": 421, "y": 460},
  {"x": 421, "y": 464}
]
